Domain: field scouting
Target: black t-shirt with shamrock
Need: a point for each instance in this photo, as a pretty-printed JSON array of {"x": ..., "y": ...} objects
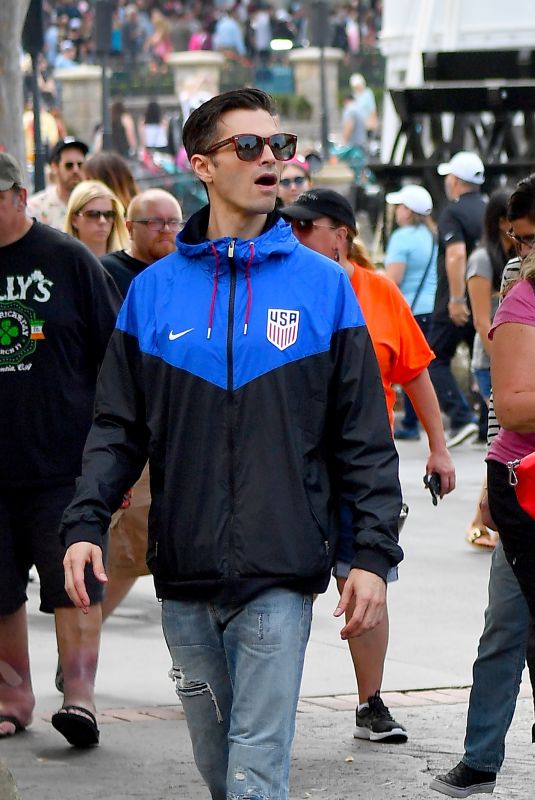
[{"x": 57, "y": 310}]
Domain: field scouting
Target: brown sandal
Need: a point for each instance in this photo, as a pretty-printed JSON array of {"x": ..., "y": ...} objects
[{"x": 482, "y": 537}]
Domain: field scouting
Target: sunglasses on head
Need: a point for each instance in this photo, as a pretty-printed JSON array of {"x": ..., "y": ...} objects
[
  {"x": 250, "y": 146},
  {"x": 298, "y": 181},
  {"x": 93, "y": 214},
  {"x": 72, "y": 164}
]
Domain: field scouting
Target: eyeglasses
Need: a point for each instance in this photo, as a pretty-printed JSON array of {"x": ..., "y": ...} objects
[
  {"x": 522, "y": 241},
  {"x": 307, "y": 224},
  {"x": 94, "y": 214},
  {"x": 249, "y": 146},
  {"x": 72, "y": 164},
  {"x": 157, "y": 224},
  {"x": 298, "y": 181}
]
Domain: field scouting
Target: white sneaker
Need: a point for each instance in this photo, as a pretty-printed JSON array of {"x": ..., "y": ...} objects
[{"x": 468, "y": 431}]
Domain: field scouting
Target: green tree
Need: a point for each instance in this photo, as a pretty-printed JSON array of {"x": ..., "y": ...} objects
[{"x": 12, "y": 16}]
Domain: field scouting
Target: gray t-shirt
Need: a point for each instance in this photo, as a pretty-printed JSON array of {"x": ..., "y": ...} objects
[
  {"x": 480, "y": 264},
  {"x": 359, "y": 137}
]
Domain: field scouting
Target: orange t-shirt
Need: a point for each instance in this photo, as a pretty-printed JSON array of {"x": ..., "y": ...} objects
[{"x": 400, "y": 346}]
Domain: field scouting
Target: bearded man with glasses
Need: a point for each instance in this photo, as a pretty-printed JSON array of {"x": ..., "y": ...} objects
[
  {"x": 242, "y": 368},
  {"x": 66, "y": 161}
]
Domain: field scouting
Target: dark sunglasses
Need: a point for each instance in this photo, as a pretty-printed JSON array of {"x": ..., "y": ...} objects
[
  {"x": 298, "y": 181},
  {"x": 308, "y": 224},
  {"x": 526, "y": 241},
  {"x": 93, "y": 214},
  {"x": 249, "y": 146},
  {"x": 72, "y": 164}
]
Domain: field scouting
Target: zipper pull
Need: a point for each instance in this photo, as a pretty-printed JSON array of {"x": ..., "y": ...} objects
[
  {"x": 230, "y": 251},
  {"x": 511, "y": 466}
]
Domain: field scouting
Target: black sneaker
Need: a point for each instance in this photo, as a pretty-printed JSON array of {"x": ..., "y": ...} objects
[
  {"x": 377, "y": 724},
  {"x": 462, "y": 781}
]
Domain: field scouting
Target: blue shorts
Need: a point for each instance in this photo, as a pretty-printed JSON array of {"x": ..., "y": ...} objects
[{"x": 344, "y": 550}]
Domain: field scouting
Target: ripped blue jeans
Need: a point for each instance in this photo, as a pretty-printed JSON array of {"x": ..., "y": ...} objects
[{"x": 237, "y": 670}]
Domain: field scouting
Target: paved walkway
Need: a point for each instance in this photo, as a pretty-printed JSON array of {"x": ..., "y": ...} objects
[{"x": 436, "y": 612}]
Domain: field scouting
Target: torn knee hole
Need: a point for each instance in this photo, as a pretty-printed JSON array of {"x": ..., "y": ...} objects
[{"x": 186, "y": 688}]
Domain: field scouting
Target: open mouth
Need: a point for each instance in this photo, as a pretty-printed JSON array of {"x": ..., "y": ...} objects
[{"x": 267, "y": 179}]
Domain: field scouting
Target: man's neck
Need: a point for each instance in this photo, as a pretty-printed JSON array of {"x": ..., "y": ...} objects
[
  {"x": 10, "y": 237},
  {"x": 63, "y": 193},
  {"x": 236, "y": 226}
]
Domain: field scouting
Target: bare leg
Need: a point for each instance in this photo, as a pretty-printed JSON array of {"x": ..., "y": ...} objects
[
  {"x": 368, "y": 653},
  {"x": 78, "y": 637},
  {"x": 116, "y": 591},
  {"x": 16, "y": 695}
]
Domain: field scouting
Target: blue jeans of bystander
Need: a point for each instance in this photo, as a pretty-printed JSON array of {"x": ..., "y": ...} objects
[
  {"x": 498, "y": 668},
  {"x": 238, "y": 671}
]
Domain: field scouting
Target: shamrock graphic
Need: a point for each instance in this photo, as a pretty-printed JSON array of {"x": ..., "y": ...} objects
[{"x": 8, "y": 331}]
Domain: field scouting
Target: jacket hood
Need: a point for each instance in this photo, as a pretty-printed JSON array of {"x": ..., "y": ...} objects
[{"x": 276, "y": 238}]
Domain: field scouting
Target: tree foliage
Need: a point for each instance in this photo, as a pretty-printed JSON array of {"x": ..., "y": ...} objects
[{"x": 12, "y": 16}]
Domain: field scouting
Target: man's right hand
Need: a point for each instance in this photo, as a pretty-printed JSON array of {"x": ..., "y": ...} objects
[{"x": 76, "y": 557}]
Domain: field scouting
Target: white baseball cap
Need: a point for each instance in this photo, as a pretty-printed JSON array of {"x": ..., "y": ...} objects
[
  {"x": 466, "y": 166},
  {"x": 415, "y": 197}
]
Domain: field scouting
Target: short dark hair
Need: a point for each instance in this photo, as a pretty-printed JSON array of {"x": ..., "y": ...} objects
[
  {"x": 199, "y": 129},
  {"x": 522, "y": 201}
]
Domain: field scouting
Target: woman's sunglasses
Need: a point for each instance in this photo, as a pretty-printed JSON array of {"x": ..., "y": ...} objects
[
  {"x": 93, "y": 214},
  {"x": 249, "y": 146},
  {"x": 297, "y": 181},
  {"x": 308, "y": 225}
]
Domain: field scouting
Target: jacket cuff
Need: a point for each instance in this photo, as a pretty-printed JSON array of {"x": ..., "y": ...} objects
[
  {"x": 84, "y": 533},
  {"x": 372, "y": 561}
]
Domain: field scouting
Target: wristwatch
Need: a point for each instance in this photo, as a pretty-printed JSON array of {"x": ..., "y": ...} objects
[{"x": 458, "y": 300}]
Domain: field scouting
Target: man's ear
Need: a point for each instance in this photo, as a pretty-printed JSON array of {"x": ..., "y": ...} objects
[
  {"x": 202, "y": 166},
  {"x": 129, "y": 227}
]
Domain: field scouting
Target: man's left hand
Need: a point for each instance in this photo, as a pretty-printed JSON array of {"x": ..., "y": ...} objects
[{"x": 369, "y": 593}]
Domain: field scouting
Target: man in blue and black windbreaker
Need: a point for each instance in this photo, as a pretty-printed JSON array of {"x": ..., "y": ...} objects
[{"x": 242, "y": 368}]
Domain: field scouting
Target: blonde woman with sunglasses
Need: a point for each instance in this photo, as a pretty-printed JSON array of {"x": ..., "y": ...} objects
[{"x": 95, "y": 216}]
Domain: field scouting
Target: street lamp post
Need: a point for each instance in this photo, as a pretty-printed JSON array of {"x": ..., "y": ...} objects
[
  {"x": 103, "y": 17},
  {"x": 320, "y": 27}
]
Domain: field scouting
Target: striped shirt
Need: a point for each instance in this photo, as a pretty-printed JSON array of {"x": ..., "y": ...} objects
[{"x": 510, "y": 273}]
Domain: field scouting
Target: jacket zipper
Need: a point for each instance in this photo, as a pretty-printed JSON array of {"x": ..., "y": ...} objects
[{"x": 230, "y": 399}]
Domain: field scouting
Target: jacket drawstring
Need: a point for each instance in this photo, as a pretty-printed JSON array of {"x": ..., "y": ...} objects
[
  {"x": 249, "y": 290},
  {"x": 214, "y": 292},
  {"x": 249, "y": 287}
]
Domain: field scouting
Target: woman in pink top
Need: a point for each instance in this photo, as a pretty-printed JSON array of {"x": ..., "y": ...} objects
[{"x": 513, "y": 382}]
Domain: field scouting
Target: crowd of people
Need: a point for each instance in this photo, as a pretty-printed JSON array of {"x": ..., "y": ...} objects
[
  {"x": 266, "y": 312},
  {"x": 145, "y": 31}
]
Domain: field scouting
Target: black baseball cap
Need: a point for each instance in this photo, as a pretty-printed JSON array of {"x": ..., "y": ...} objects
[
  {"x": 61, "y": 144},
  {"x": 315, "y": 203}
]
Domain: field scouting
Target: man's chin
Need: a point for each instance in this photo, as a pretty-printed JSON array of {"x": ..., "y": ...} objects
[{"x": 162, "y": 249}]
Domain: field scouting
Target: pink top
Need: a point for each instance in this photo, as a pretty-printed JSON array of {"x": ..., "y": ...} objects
[{"x": 518, "y": 306}]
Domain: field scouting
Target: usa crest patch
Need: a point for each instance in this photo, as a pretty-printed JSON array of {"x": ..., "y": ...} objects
[{"x": 282, "y": 327}]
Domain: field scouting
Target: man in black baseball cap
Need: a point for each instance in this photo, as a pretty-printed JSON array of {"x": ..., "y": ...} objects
[
  {"x": 316, "y": 203},
  {"x": 66, "y": 162}
]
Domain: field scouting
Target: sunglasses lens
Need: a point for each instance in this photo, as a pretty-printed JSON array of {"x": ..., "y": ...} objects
[
  {"x": 283, "y": 146},
  {"x": 249, "y": 146}
]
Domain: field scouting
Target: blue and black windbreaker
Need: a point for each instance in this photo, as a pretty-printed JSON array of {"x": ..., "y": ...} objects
[{"x": 244, "y": 371}]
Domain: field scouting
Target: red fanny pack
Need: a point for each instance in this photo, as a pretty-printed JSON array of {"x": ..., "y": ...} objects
[{"x": 522, "y": 478}]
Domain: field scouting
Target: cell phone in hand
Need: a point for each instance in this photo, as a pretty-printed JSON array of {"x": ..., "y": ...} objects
[{"x": 432, "y": 482}]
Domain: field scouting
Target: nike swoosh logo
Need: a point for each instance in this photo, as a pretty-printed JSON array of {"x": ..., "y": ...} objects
[{"x": 173, "y": 336}]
